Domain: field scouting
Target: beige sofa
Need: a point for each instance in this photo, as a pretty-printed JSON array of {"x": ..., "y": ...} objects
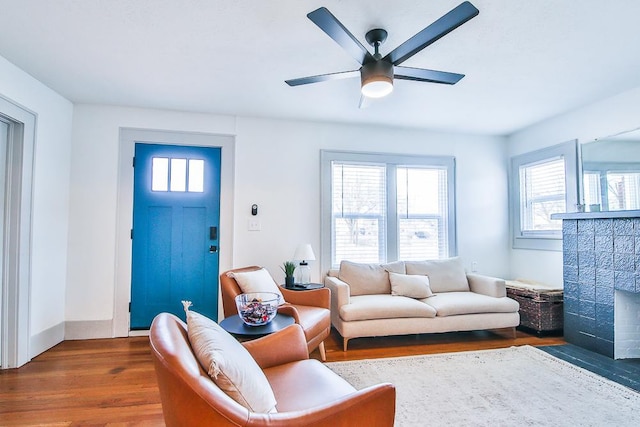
[{"x": 415, "y": 297}]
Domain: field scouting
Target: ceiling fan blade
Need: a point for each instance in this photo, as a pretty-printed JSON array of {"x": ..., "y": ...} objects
[
  {"x": 323, "y": 78},
  {"x": 443, "y": 26},
  {"x": 334, "y": 29},
  {"x": 365, "y": 101},
  {"x": 423, "y": 75}
]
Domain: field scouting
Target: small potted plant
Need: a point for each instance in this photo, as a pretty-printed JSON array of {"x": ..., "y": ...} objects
[{"x": 288, "y": 267}]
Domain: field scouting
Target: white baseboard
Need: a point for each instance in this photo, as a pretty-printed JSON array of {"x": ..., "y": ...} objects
[
  {"x": 46, "y": 339},
  {"x": 88, "y": 329}
]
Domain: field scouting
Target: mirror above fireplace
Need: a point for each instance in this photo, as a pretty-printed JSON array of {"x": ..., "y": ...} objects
[{"x": 611, "y": 172}]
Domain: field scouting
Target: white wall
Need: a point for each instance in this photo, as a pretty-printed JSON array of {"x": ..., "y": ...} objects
[
  {"x": 277, "y": 167},
  {"x": 600, "y": 119},
  {"x": 93, "y": 268},
  {"x": 50, "y": 201}
]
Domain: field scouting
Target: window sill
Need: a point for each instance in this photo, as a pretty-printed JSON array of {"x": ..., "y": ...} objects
[{"x": 538, "y": 243}]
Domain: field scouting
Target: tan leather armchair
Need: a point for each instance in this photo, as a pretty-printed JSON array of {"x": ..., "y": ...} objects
[
  {"x": 310, "y": 309},
  {"x": 308, "y": 393}
]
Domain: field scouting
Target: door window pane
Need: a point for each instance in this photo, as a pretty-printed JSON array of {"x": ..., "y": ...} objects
[
  {"x": 178, "y": 175},
  {"x": 159, "y": 174},
  {"x": 196, "y": 176}
]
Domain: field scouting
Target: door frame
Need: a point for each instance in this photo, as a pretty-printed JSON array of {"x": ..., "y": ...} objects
[
  {"x": 15, "y": 285},
  {"x": 124, "y": 221}
]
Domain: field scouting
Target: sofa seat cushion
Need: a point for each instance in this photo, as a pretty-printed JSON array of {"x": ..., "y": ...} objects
[
  {"x": 305, "y": 384},
  {"x": 367, "y": 307},
  {"x": 456, "y": 303}
]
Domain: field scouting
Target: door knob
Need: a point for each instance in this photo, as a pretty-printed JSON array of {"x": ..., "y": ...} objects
[{"x": 213, "y": 249}]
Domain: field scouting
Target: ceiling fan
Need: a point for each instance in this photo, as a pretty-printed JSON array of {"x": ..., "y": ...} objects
[{"x": 377, "y": 72}]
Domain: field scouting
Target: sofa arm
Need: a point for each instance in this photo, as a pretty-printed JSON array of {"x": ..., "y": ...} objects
[
  {"x": 486, "y": 285},
  {"x": 284, "y": 346},
  {"x": 373, "y": 406},
  {"x": 340, "y": 292}
]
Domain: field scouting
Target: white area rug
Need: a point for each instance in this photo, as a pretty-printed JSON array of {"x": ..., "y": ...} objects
[{"x": 517, "y": 386}]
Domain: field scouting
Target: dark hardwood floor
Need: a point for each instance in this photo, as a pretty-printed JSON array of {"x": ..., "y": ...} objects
[
  {"x": 111, "y": 382},
  {"x": 623, "y": 371}
]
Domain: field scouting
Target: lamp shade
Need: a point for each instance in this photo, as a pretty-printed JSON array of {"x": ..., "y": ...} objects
[{"x": 304, "y": 252}]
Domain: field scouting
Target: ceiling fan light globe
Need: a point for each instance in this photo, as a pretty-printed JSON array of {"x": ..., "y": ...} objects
[
  {"x": 376, "y": 79},
  {"x": 377, "y": 88}
]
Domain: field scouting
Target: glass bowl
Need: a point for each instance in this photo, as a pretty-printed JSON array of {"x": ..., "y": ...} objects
[{"x": 257, "y": 308}]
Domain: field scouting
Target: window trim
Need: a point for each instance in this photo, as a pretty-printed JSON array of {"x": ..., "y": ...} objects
[
  {"x": 551, "y": 241},
  {"x": 388, "y": 159}
]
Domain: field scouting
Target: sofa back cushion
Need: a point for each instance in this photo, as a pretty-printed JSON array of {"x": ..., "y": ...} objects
[
  {"x": 445, "y": 275},
  {"x": 368, "y": 279}
]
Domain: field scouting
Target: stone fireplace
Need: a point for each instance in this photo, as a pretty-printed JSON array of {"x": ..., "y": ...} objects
[
  {"x": 601, "y": 269},
  {"x": 627, "y": 325}
]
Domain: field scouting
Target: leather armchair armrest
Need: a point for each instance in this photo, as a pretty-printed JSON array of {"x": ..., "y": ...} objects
[
  {"x": 314, "y": 297},
  {"x": 291, "y": 311},
  {"x": 485, "y": 285},
  {"x": 287, "y": 345},
  {"x": 373, "y": 406}
]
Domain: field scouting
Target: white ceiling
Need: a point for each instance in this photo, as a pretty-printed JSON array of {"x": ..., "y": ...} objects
[{"x": 524, "y": 60}]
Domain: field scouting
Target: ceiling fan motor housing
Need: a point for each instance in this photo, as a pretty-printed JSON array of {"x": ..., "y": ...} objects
[{"x": 376, "y": 78}]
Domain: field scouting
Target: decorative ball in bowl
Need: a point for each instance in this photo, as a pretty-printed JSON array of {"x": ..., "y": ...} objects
[{"x": 257, "y": 308}]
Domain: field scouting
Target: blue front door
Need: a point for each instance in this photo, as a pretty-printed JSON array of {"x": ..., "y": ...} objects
[{"x": 176, "y": 213}]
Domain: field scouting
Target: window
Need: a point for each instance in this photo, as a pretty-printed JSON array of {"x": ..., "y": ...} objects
[
  {"x": 422, "y": 212},
  {"x": 177, "y": 175},
  {"x": 543, "y": 183},
  {"x": 542, "y": 193},
  {"x": 380, "y": 208}
]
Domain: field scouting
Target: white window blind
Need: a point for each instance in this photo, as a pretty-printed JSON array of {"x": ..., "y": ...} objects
[
  {"x": 591, "y": 185},
  {"x": 358, "y": 212},
  {"x": 542, "y": 193},
  {"x": 623, "y": 190},
  {"x": 422, "y": 206}
]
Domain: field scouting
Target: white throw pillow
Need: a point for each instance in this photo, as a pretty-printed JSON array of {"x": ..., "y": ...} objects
[
  {"x": 409, "y": 285},
  {"x": 445, "y": 275},
  {"x": 229, "y": 364},
  {"x": 256, "y": 281}
]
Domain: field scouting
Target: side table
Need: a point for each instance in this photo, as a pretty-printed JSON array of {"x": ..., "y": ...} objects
[
  {"x": 305, "y": 287},
  {"x": 235, "y": 326}
]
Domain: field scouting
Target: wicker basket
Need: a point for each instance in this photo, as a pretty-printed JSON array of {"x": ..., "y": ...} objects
[{"x": 541, "y": 310}]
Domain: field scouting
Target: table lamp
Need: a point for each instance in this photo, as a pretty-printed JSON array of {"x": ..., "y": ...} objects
[{"x": 303, "y": 254}]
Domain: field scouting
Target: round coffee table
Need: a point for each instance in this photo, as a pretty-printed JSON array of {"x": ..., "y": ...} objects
[{"x": 235, "y": 326}]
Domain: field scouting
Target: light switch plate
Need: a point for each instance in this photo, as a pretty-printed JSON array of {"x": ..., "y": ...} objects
[{"x": 254, "y": 224}]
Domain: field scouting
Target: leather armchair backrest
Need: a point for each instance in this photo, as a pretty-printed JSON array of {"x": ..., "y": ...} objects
[
  {"x": 230, "y": 289},
  {"x": 189, "y": 396}
]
